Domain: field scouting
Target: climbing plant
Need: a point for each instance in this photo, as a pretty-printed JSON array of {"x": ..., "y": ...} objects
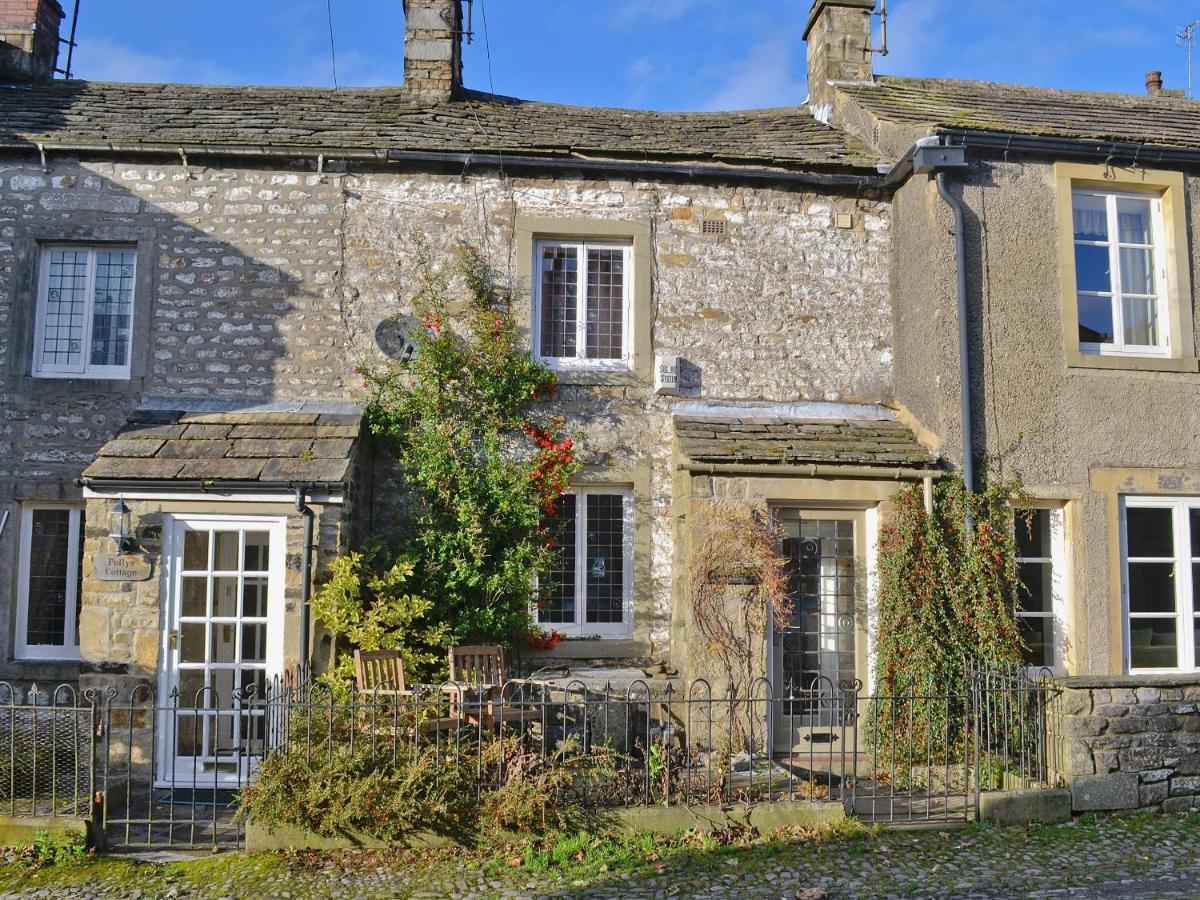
[
  {"x": 480, "y": 459},
  {"x": 946, "y": 593}
]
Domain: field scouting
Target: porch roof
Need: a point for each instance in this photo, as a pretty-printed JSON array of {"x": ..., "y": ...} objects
[
  {"x": 256, "y": 447},
  {"x": 795, "y": 441}
]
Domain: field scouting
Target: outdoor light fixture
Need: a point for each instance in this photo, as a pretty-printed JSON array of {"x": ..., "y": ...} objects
[{"x": 118, "y": 525}]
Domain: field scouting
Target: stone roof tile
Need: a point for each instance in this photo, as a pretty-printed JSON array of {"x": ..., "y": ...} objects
[
  {"x": 941, "y": 103},
  {"x": 795, "y": 442},
  {"x": 382, "y": 119}
]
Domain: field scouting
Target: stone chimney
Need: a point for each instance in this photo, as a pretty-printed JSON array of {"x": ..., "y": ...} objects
[
  {"x": 839, "y": 46},
  {"x": 29, "y": 39},
  {"x": 1154, "y": 83},
  {"x": 433, "y": 32}
]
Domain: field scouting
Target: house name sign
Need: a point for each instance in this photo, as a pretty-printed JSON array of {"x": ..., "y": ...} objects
[{"x": 107, "y": 567}]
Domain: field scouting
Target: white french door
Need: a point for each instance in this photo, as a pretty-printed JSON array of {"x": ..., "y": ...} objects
[{"x": 222, "y": 642}]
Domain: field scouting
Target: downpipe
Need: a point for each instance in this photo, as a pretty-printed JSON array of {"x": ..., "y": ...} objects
[{"x": 302, "y": 507}]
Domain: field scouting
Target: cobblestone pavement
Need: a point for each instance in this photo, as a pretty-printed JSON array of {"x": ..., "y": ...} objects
[{"x": 1147, "y": 858}]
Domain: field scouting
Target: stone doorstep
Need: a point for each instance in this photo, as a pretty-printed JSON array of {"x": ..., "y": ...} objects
[
  {"x": 1045, "y": 806},
  {"x": 664, "y": 820}
]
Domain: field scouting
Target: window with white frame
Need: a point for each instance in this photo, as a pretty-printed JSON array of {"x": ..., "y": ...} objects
[
  {"x": 84, "y": 325},
  {"x": 1040, "y": 593},
  {"x": 589, "y": 588},
  {"x": 1120, "y": 273},
  {"x": 581, "y": 303},
  {"x": 1161, "y": 556},
  {"x": 49, "y": 583}
]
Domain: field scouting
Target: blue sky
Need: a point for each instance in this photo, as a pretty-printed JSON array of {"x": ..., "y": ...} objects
[{"x": 659, "y": 54}]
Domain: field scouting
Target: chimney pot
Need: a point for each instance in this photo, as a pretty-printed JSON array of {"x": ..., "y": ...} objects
[
  {"x": 1154, "y": 83},
  {"x": 29, "y": 39},
  {"x": 433, "y": 31}
]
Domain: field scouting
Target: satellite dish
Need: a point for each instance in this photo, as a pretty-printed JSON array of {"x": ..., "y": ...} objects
[{"x": 394, "y": 337}]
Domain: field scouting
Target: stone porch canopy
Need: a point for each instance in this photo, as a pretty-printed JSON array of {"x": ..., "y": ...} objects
[
  {"x": 269, "y": 447},
  {"x": 813, "y": 437}
]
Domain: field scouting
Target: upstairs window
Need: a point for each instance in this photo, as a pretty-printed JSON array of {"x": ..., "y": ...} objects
[
  {"x": 84, "y": 323},
  {"x": 49, "y": 585},
  {"x": 1120, "y": 273},
  {"x": 581, "y": 314},
  {"x": 588, "y": 591}
]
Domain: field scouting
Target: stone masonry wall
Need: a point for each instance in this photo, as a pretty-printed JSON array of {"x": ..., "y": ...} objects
[
  {"x": 267, "y": 283},
  {"x": 1131, "y": 743}
]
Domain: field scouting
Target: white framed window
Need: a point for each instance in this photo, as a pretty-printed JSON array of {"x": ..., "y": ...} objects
[
  {"x": 49, "y": 575},
  {"x": 1160, "y": 556},
  {"x": 1041, "y": 594},
  {"x": 588, "y": 591},
  {"x": 84, "y": 326},
  {"x": 1120, "y": 273},
  {"x": 582, "y": 303}
]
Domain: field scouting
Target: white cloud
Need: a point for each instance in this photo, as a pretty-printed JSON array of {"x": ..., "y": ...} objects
[
  {"x": 763, "y": 79},
  {"x": 101, "y": 59}
]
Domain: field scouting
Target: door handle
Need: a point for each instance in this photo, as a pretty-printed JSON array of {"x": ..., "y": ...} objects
[{"x": 174, "y": 639}]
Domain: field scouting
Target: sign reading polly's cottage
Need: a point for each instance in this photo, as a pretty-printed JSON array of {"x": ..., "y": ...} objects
[{"x": 107, "y": 567}]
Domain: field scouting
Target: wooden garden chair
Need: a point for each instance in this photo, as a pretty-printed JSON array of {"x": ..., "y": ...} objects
[
  {"x": 480, "y": 669},
  {"x": 379, "y": 676}
]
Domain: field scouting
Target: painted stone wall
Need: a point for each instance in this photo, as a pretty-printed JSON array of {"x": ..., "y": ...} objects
[{"x": 1131, "y": 743}]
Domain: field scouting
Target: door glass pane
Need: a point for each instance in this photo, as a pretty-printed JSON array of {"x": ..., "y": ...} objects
[
  {"x": 195, "y": 551},
  {"x": 224, "y": 642},
  {"x": 1095, "y": 320},
  {"x": 254, "y": 643},
  {"x": 1091, "y": 218},
  {"x": 1141, "y": 321},
  {"x": 560, "y": 302},
  {"x": 191, "y": 642},
  {"x": 605, "y": 303},
  {"x": 112, "y": 311},
  {"x": 1137, "y": 270},
  {"x": 195, "y": 596},
  {"x": 1151, "y": 587},
  {"x": 254, "y": 597},
  {"x": 225, "y": 558},
  {"x": 1150, "y": 532},
  {"x": 191, "y": 684},
  {"x": 1152, "y": 644},
  {"x": 225, "y": 596},
  {"x": 64, "y": 310},
  {"x": 1092, "y": 269},
  {"x": 49, "y": 589},
  {"x": 1133, "y": 221},
  {"x": 256, "y": 558}
]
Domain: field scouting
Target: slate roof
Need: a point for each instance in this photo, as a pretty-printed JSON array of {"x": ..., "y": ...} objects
[
  {"x": 322, "y": 120},
  {"x": 798, "y": 441},
  {"x": 980, "y": 105},
  {"x": 270, "y": 448}
]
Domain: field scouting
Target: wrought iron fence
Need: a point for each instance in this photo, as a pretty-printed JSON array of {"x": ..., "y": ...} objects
[{"x": 168, "y": 772}]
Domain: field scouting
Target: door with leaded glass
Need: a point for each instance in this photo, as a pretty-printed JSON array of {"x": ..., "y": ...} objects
[
  {"x": 222, "y": 642},
  {"x": 819, "y": 654}
]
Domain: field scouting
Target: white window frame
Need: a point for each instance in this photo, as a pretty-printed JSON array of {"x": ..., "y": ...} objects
[
  {"x": 69, "y": 649},
  {"x": 581, "y": 627},
  {"x": 83, "y": 369},
  {"x": 1058, "y": 583},
  {"x": 576, "y": 363},
  {"x": 1115, "y": 295},
  {"x": 1184, "y": 616}
]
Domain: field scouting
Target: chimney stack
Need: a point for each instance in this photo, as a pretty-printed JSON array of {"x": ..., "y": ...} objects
[
  {"x": 29, "y": 39},
  {"x": 433, "y": 31},
  {"x": 1154, "y": 83},
  {"x": 839, "y": 47}
]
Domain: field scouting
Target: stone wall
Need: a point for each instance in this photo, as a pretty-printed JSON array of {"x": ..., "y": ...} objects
[{"x": 1130, "y": 743}]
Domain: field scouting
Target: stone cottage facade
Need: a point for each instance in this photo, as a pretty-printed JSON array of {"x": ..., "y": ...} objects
[{"x": 752, "y": 305}]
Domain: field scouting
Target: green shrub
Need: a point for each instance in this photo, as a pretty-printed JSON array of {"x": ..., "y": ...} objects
[{"x": 54, "y": 848}]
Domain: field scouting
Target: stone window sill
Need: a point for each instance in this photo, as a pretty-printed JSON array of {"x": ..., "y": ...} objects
[
  {"x": 596, "y": 649},
  {"x": 1133, "y": 363}
]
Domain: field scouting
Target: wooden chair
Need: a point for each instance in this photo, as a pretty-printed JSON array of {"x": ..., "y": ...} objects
[
  {"x": 480, "y": 669},
  {"x": 380, "y": 673}
]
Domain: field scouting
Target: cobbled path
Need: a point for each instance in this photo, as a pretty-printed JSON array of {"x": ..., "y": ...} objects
[{"x": 1158, "y": 858}]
